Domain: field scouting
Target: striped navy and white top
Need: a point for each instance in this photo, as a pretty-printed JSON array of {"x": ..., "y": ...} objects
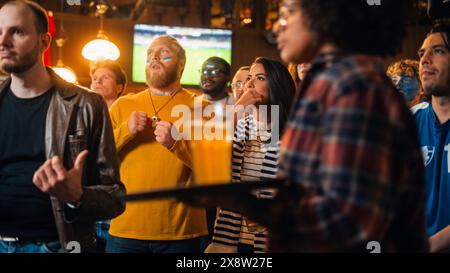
[{"x": 254, "y": 157}]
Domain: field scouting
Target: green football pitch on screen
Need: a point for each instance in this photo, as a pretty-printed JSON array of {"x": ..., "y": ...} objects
[{"x": 194, "y": 59}]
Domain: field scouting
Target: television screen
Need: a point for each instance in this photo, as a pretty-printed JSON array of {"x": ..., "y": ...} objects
[{"x": 199, "y": 43}]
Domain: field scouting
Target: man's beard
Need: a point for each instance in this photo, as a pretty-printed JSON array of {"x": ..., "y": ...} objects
[
  {"x": 23, "y": 64},
  {"x": 436, "y": 90},
  {"x": 160, "y": 80},
  {"x": 215, "y": 91}
]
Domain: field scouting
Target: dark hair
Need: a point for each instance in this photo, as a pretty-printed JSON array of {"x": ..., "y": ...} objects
[
  {"x": 442, "y": 28},
  {"x": 40, "y": 15},
  {"x": 281, "y": 86},
  {"x": 225, "y": 64},
  {"x": 354, "y": 26},
  {"x": 121, "y": 77}
]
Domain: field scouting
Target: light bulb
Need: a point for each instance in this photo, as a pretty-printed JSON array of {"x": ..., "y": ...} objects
[{"x": 100, "y": 49}]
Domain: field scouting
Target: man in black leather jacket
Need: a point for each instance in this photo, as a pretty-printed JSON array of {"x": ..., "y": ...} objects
[{"x": 58, "y": 165}]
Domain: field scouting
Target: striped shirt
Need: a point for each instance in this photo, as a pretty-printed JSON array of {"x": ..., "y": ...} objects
[{"x": 253, "y": 158}]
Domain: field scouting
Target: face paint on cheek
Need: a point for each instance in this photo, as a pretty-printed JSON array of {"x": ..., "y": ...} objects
[
  {"x": 167, "y": 59},
  {"x": 409, "y": 89}
]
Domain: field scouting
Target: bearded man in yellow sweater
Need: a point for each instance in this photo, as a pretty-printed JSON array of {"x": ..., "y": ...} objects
[{"x": 152, "y": 159}]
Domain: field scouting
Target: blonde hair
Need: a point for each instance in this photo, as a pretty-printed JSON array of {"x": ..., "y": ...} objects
[{"x": 408, "y": 67}]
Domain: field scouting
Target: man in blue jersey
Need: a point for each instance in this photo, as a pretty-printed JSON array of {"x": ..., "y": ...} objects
[{"x": 433, "y": 122}]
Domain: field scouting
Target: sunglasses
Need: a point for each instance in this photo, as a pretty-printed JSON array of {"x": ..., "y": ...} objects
[{"x": 213, "y": 72}]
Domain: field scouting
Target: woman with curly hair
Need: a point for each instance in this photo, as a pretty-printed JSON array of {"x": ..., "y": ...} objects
[{"x": 349, "y": 151}]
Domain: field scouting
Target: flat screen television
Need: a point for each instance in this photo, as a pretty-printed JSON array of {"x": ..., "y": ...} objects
[{"x": 199, "y": 43}]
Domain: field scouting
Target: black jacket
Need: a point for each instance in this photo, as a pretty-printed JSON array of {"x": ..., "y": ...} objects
[{"x": 78, "y": 119}]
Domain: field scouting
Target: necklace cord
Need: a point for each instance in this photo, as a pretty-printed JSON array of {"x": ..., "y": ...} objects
[{"x": 164, "y": 105}]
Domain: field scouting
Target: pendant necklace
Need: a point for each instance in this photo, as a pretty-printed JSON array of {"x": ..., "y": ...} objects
[{"x": 155, "y": 117}]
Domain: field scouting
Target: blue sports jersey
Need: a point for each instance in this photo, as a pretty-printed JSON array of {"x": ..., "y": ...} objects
[{"x": 434, "y": 139}]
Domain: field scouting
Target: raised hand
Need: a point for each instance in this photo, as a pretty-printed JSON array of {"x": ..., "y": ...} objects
[
  {"x": 54, "y": 179},
  {"x": 163, "y": 134},
  {"x": 137, "y": 122}
]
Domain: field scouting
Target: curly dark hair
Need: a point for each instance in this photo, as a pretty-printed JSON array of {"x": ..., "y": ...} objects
[{"x": 357, "y": 27}]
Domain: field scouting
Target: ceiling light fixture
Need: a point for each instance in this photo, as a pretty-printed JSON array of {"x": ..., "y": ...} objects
[
  {"x": 101, "y": 48},
  {"x": 62, "y": 70}
]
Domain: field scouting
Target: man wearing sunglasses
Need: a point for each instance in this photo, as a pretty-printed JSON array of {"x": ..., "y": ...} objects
[{"x": 214, "y": 79}]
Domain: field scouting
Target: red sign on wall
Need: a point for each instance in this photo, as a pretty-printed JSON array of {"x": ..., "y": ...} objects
[{"x": 52, "y": 30}]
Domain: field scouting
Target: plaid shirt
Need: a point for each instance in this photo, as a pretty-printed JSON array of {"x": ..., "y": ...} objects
[{"x": 351, "y": 148}]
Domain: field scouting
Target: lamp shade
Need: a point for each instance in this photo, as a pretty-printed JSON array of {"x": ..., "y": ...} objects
[
  {"x": 100, "y": 49},
  {"x": 65, "y": 72}
]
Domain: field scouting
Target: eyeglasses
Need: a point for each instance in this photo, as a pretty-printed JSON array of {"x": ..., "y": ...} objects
[
  {"x": 285, "y": 12},
  {"x": 237, "y": 85},
  {"x": 213, "y": 72}
]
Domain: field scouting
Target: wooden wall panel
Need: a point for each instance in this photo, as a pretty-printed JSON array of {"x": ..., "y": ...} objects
[{"x": 247, "y": 43}]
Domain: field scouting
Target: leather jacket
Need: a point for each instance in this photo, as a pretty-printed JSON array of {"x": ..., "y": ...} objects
[{"x": 76, "y": 120}]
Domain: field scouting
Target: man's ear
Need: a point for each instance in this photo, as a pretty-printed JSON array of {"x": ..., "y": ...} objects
[
  {"x": 46, "y": 41},
  {"x": 120, "y": 89},
  {"x": 182, "y": 64},
  {"x": 181, "y": 68}
]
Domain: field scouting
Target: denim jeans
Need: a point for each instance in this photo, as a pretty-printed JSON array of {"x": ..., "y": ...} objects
[
  {"x": 102, "y": 234},
  {"x": 102, "y": 230},
  {"x": 124, "y": 245},
  {"x": 31, "y": 247}
]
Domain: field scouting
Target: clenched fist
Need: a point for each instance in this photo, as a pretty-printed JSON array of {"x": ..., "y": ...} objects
[
  {"x": 137, "y": 122},
  {"x": 163, "y": 134},
  {"x": 249, "y": 97}
]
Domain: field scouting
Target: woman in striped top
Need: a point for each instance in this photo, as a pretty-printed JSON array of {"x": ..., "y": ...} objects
[{"x": 255, "y": 152}]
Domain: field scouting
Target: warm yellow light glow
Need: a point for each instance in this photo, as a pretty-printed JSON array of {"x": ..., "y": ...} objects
[
  {"x": 66, "y": 73},
  {"x": 100, "y": 49},
  {"x": 247, "y": 21}
]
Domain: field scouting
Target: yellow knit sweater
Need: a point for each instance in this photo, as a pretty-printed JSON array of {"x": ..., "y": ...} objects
[{"x": 147, "y": 165}]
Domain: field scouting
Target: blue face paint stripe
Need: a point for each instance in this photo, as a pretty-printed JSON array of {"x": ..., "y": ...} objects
[{"x": 409, "y": 86}]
